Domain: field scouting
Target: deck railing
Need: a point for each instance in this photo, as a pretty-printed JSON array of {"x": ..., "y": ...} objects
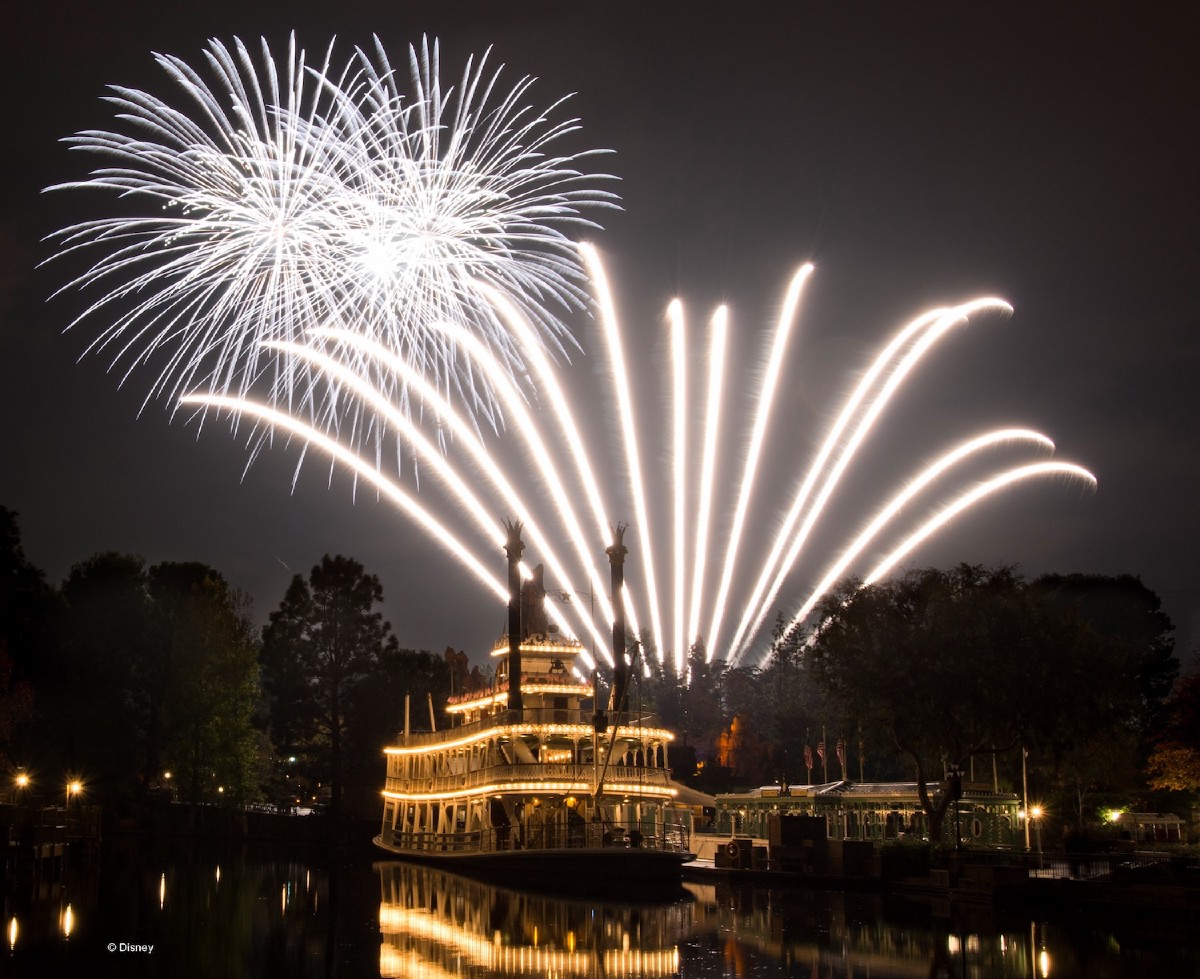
[
  {"x": 629, "y": 721},
  {"x": 551, "y": 837},
  {"x": 560, "y": 776}
]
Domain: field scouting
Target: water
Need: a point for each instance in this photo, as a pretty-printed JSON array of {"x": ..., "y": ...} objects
[{"x": 239, "y": 913}]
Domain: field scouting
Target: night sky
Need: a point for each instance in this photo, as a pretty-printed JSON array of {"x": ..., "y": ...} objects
[{"x": 917, "y": 154}]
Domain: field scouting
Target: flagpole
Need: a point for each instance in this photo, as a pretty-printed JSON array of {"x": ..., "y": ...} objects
[
  {"x": 824, "y": 758},
  {"x": 808, "y": 754},
  {"x": 1025, "y": 794}
]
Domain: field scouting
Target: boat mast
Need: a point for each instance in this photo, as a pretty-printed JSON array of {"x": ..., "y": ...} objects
[
  {"x": 513, "y": 549},
  {"x": 616, "y": 561}
]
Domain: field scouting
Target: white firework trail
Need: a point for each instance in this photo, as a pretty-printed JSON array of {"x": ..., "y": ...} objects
[
  {"x": 544, "y": 452},
  {"x": 333, "y": 258}
]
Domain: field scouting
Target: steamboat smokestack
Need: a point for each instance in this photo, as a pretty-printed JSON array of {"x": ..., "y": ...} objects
[
  {"x": 616, "y": 560},
  {"x": 514, "y": 548}
]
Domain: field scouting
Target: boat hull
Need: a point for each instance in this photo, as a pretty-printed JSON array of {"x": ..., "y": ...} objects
[{"x": 620, "y": 871}]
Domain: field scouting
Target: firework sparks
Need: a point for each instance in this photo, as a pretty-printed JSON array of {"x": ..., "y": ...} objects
[
  {"x": 284, "y": 196},
  {"x": 545, "y": 450},
  {"x": 348, "y": 264}
]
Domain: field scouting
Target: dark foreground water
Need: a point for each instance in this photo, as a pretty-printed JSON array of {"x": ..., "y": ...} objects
[{"x": 237, "y": 913}]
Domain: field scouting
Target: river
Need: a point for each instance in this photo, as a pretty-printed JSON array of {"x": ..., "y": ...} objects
[{"x": 233, "y": 913}]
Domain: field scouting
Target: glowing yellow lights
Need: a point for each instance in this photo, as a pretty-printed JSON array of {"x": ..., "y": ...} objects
[
  {"x": 67, "y": 921},
  {"x": 583, "y": 731},
  {"x": 22, "y": 781},
  {"x": 402, "y": 925},
  {"x": 1035, "y": 812},
  {"x": 1044, "y": 963},
  {"x": 12, "y": 933},
  {"x": 1113, "y": 815},
  {"x": 162, "y": 891},
  {"x": 581, "y": 787}
]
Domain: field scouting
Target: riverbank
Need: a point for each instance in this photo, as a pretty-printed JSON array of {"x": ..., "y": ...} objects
[{"x": 1152, "y": 883}]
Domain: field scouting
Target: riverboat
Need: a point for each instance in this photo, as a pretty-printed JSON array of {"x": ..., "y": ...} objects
[{"x": 529, "y": 777}]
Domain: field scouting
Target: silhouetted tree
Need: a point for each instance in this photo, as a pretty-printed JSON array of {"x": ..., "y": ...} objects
[
  {"x": 377, "y": 706},
  {"x": 962, "y": 663},
  {"x": 324, "y": 640},
  {"x": 28, "y": 607},
  {"x": 160, "y": 673},
  {"x": 1174, "y": 763},
  {"x": 207, "y": 671},
  {"x": 1123, "y": 609},
  {"x": 99, "y": 717}
]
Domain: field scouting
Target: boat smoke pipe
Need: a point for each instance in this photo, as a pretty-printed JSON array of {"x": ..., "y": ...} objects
[
  {"x": 616, "y": 561},
  {"x": 514, "y": 549}
]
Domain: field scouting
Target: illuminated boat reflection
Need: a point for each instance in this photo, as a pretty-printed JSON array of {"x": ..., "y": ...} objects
[{"x": 435, "y": 924}]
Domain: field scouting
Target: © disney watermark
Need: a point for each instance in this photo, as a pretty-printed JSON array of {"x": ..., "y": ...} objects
[{"x": 130, "y": 947}]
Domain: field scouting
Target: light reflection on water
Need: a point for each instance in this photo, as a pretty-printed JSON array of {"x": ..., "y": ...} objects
[
  {"x": 434, "y": 925},
  {"x": 237, "y": 914}
]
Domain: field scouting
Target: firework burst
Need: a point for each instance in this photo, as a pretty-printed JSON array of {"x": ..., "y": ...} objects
[
  {"x": 350, "y": 265},
  {"x": 483, "y": 479},
  {"x": 270, "y": 199}
]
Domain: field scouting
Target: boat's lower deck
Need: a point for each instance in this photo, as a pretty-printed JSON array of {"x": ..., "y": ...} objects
[{"x": 543, "y": 836}]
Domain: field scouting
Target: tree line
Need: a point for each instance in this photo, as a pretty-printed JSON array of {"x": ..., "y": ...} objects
[
  {"x": 152, "y": 681},
  {"x": 971, "y": 669},
  {"x": 125, "y": 672}
]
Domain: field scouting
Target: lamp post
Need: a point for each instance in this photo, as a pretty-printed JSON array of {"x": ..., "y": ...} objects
[
  {"x": 74, "y": 787},
  {"x": 955, "y": 776},
  {"x": 1035, "y": 814},
  {"x": 1025, "y": 796}
]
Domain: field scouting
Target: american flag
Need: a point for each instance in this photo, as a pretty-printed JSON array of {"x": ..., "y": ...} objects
[
  {"x": 808, "y": 757},
  {"x": 821, "y": 750},
  {"x": 841, "y": 752}
]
